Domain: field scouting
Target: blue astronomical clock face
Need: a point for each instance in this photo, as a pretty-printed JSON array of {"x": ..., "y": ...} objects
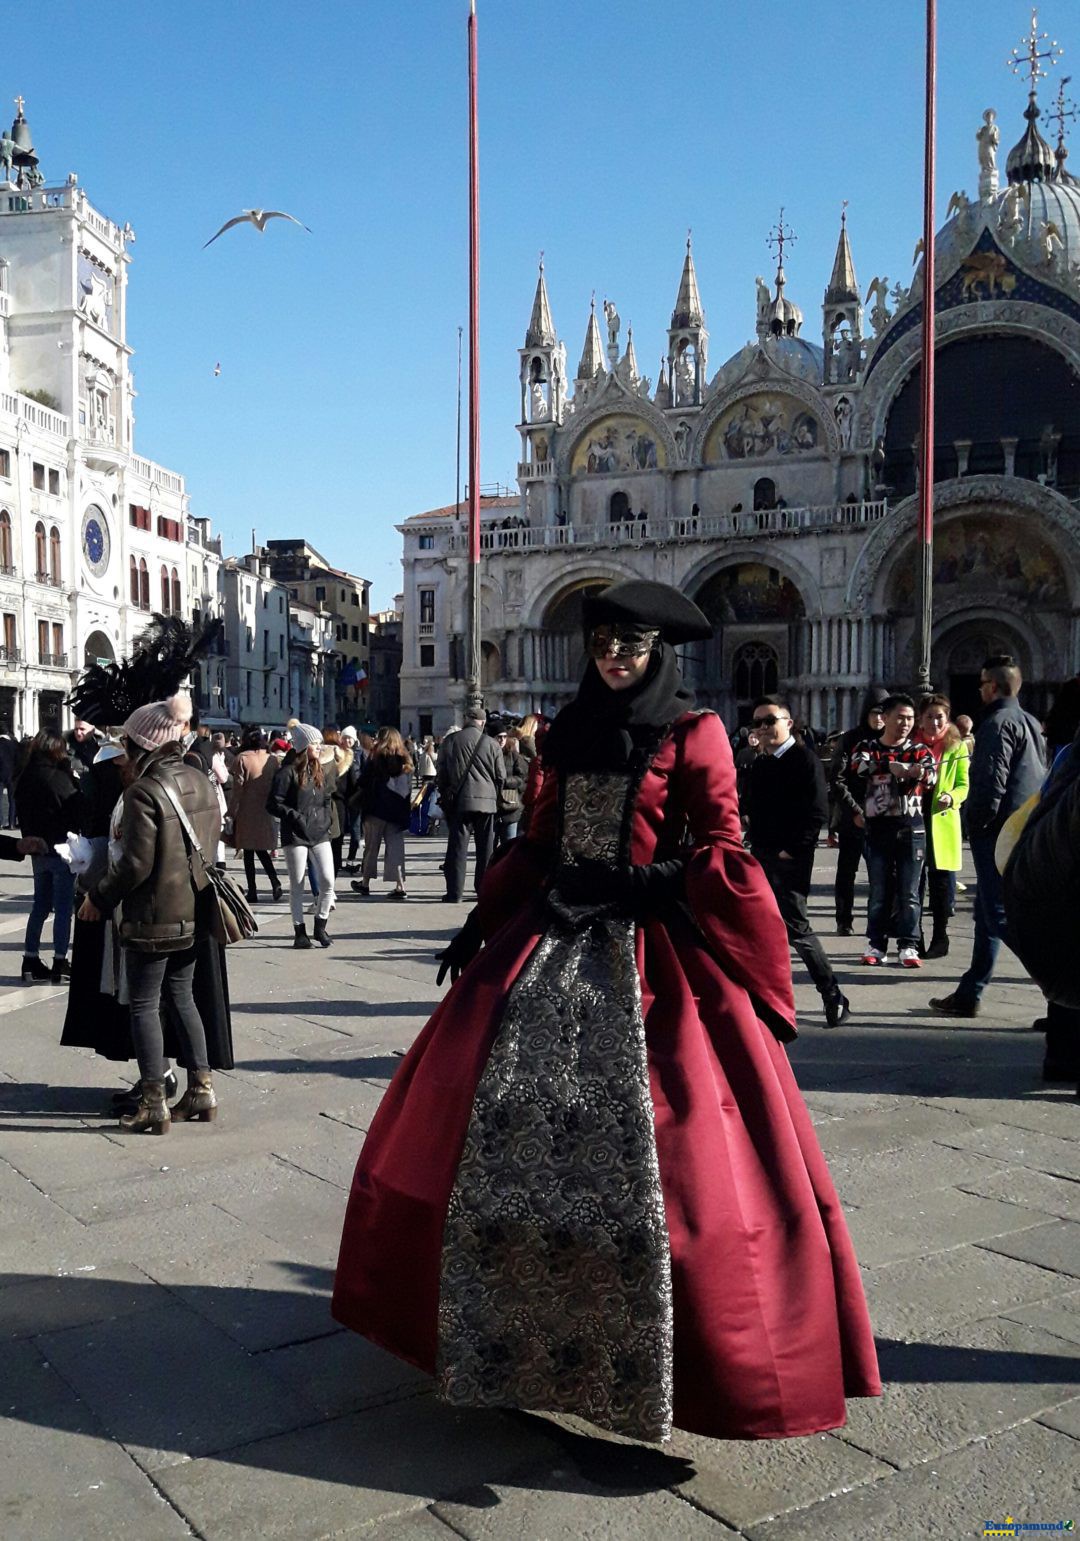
[{"x": 95, "y": 540}]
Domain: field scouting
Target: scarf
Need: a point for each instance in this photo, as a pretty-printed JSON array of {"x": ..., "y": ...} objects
[{"x": 602, "y": 729}]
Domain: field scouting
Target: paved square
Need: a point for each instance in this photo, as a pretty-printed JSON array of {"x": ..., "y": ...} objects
[{"x": 168, "y": 1365}]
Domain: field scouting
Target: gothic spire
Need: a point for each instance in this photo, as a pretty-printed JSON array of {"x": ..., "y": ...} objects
[
  {"x": 541, "y": 332},
  {"x": 592, "y": 355},
  {"x": 843, "y": 285},
  {"x": 630, "y": 357},
  {"x": 688, "y": 311}
]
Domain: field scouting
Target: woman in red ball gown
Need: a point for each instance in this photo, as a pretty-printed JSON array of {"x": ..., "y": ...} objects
[{"x": 593, "y": 1186}]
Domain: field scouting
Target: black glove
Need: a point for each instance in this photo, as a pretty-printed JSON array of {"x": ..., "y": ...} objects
[
  {"x": 461, "y": 950},
  {"x": 638, "y": 891}
]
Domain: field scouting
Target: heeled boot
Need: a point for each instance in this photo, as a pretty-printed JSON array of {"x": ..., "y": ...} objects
[
  {"x": 320, "y": 933},
  {"x": 199, "y": 1101},
  {"x": 34, "y": 972},
  {"x": 152, "y": 1115},
  {"x": 300, "y": 936},
  {"x": 127, "y": 1101}
]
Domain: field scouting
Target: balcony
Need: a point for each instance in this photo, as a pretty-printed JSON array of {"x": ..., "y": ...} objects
[
  {"x": 655, "y": 532},
  {"x": 534, "y": 470},
  {"x": 10, "y": 657},
  {"x": 50, "y": 580},
  {"x": 425, "y": 629},
  {"x": 53, "y": 660},
  {"x": 6, "y": 571}
]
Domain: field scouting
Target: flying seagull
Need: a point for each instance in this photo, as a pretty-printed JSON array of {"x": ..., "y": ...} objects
[
  {"x": 217, "y": 370},
  {"x": 258, "y": 218}
]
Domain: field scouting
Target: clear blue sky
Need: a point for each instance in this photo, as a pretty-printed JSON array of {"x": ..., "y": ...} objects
[{"x": 606, "y": 130}]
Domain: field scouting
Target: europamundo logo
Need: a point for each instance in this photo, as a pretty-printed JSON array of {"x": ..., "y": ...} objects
[{"x": 1011, "y": 1527}]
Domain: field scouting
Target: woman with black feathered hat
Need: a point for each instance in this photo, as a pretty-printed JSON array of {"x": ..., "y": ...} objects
[{"x": 593, "y": 1186}]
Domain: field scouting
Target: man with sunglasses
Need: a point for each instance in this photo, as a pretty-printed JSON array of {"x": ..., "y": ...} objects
[{"x": 786, "y": 805}]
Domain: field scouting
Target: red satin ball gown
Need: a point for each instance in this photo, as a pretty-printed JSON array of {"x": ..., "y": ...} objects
[{"x": 593, "y": 1186}]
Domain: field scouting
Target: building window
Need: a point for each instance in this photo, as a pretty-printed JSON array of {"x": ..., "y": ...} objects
[
  {"x": 356, "y": 600},
  {"x": 40, "y": 553},
  {"x": 247, "y": 677},
  {"x": 177, "y": 600},
  {"x": 281, "y": 646},
  {"x": 7, "y": 559},
  {"x": 169, "y": 529},
  {"x": 320, "y": 592},
  {"x": 144, "y": 584},
  {"x": 165, "y": 593},
  {"x": 427, "y": 655},
  {"x": 427, "y": 543},
  {"x": 37, "y": 477},
  {"x": 58, "y": 644},
  {"x": 249, "y": 639},
  {"x": 281, "y": 604},
  {"x": 54, "y": 483},
  {"x": 363, "y": 631},
  {"x": 54, "y": 555},
  {"x": 266, "y": 600},
  {"x": 5, "y": 464},
  {"x": 756, "y": 671},
  {"x": 619, "y": 508},
  {"x": 11, "y": 646},
  {"x": 356, "y": 634},
  {"x": 427, "y": 607},
  {"x": 42, "y": 641},
  {"x": 343, "y": 596},
  {"x": 138, "y": 517},
  {"x": 133, "y": 576},
  {"x": 764, "y": 495},
  {"x": 247, "y": 593}
]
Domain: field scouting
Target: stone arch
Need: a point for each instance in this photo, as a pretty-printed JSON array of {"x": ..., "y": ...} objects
[
  {"x": 600, "y": 571},
  {"x": 767, "y": 554},
  {"x": 801, "y": 391},
  {"x": 1057, "y": 517},
  {"x": 616, "y": 401},
  {"x": 98, "y": 649},
  {"x": 1038, "y": 323}
]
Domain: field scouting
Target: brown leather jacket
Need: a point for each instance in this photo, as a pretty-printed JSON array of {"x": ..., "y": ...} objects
[{"x": 154, "y": 882}]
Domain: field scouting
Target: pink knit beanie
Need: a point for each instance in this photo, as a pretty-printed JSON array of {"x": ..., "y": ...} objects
[{"x": 159, "y": 723}]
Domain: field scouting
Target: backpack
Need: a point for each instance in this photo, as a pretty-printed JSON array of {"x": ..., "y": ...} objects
[{"x": 1042, "y": 889}]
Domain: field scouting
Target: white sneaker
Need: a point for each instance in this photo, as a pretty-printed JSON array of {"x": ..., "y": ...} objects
[
  {"x": 909, "y": 957},
  {"x": 873, "y": 957}
]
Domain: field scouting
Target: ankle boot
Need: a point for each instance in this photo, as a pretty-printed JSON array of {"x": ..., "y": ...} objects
[
  {"x": 320, "y": 932},
  {"x": 939, "y": 946},
  {"x": 127, "y": 1100},
  {"x": 300, "y": 936},
  {"x": 34, "y": 972},
  {"x": 199, "y": 1101},
  {"x": 152, "y": 1114},
  {"x": 61, "y": 970}
]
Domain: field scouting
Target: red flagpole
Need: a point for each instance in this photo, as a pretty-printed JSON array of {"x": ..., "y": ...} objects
[
  {"x": 926, "y": 443},
  {"x": 473, "y": 697}
]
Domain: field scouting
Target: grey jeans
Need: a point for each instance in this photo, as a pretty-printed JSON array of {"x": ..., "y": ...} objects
[{"x": 149, "y": 976}]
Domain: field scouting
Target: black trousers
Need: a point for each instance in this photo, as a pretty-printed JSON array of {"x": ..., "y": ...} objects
[
  {"x": 460, "y": 825},
  {"x": 267, "y": 865},
  {"x": 151, "y": 975},
  {"x": 848, "y": 856},
  {"x": 790, "y": 882}
]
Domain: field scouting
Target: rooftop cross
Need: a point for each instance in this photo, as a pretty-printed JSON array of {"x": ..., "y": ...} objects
[
  {"x": 1032, "y": 58},
  {"x": 19, "y": 104},
  {"x": 1064, "y": 112},
  {"x": 780, "y": 236}
]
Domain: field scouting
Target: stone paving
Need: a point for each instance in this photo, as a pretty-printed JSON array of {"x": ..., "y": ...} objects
[{"x": 168, "y": 1366}]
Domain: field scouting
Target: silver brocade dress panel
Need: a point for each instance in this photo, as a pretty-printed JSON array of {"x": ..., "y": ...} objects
[{"x": 556, "y": 1269}]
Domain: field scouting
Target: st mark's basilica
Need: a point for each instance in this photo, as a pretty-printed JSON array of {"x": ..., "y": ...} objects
[{"x": 779, "y": 490}]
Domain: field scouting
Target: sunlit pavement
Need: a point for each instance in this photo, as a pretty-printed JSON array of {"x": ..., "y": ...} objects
[{"x": 169, "y": 1366}]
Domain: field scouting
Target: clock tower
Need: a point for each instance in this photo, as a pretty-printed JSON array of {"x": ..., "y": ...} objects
[{"x": 97, "y": 532}]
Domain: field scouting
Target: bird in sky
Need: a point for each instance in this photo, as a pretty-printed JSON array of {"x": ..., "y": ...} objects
[
  {"x": 217, "y": 370},
  {"x": 258, "y": 218}
]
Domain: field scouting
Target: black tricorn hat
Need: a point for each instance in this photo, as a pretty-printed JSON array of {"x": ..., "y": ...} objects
[{"x": 652, "y": 606}]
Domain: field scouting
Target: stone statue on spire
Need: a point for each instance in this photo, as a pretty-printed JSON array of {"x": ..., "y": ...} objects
[
  {"x": 7, "y": 152},
  {"x": 988, "y": 137}
]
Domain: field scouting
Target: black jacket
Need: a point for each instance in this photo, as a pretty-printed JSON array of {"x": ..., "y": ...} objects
[
  {"x": 786, "y": 801},
  {"x": 155, "y": 880},
  {"x": 306, "y": 811},
  {"x": 1008, "y": 765},
  {"x": 48, "y": 800}
]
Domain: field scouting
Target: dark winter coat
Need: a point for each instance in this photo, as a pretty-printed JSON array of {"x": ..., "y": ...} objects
[
  {"x": 515, "y": 775},
  {"x": 154, "y": 883},
  {"x": 786, "y": 802},
  {"x": 48, "y": 799},
  {"x": 306, "y": 812},
  {"x": 470, "y": 772},
  {"x": 1042, "y": 888},
  {"x": 1008, "y": 765}
]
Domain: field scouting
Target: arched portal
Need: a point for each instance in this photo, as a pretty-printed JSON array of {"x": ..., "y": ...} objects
[
  {"x": 562, "y": 642},
  {"x": 98, "y": 649},
  {"x": 962, "y": 648},
  {"x": 490, "y": 665},
  {"x": 757, "y": 645}
]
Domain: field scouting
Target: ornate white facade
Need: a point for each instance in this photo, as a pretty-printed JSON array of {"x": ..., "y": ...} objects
[
  {"x": 779, "y": 492},
  {"x": 92, "y": 536}
]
